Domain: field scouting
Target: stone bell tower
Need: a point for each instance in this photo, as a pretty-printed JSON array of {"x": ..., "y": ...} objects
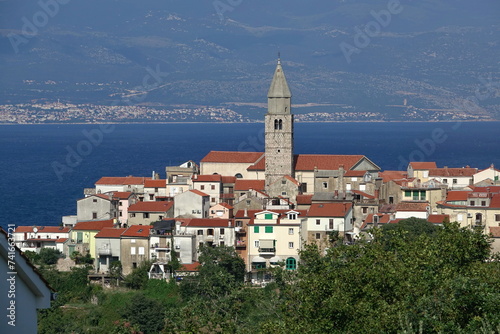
[{"x": 278, "y": 129}]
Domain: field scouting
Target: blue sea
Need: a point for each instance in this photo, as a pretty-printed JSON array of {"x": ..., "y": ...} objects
[{"x": 46, "y": 167}]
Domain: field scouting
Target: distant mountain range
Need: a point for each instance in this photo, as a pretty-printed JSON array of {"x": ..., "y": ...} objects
[{"x": 423, "y": 60}]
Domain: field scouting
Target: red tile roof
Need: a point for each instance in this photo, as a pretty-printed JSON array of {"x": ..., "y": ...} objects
[
  {"x": 227, "y": 206},
  {"x": 495, "y": 201},
  {"x": 422, "y": 165},
  {"x": 456, "y": 196},
  {"x": 207, "y": 178},
  {"x": 113, "y": 180},
  {"x": 389, "y": 175},
  {"x": 93, "y": 225},
  {"x": 383, "y": 218},
  {"x": 412, "y": 206},
  {"x": 205, "y": 222},
  {"x": 232, "y": 157},
  {"x": 304, "y": 199},
  {"x": 155, "y": 183},
  {"x": 61, "y": 240},
  {"x": 362, "y": 193},
  {"x": 450, "y": 172},
  {"x": 159, "y": 206},
  {"x": 329, "y": 209},
  {"x": 228, "y": 179},
  {"x": 141, "y": 231},
  {"x": 197, "y": 192},
  {"x": 355, "y": 173},
  {"x": 291, "y": 179},
  {"x": 110, "y": 232},
  {"x": 495, "y": 231},
  {"x": 244, "y": 185},
  {"x": 122, "y": 194},
  {"x": 190, "y": 267},
  {"x": 438, "y": 219},
  {"x": 42, "y": 229},
  {"x": 307, "y": 162},
  {"x": 491, "y": 189}
]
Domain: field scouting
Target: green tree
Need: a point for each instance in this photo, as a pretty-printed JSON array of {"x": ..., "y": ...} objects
[
  {"x": 146, "y": 313},
  {"x": 49, "y": 256},
  {"x": 221, "y": 271},
  {"x": 138, "y": 278},
  {"x": 32, "y": 256}
]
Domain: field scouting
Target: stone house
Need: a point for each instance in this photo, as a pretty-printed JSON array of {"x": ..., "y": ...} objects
[
  {"x": 134, "y": 247},
  {"x": 191, "y": 204},
  {"x": 145, "y": 213},
  {"x": 107, "y": 243},
  {"x": 324, "y": 218},
  {"x": 97, "y": 207}
]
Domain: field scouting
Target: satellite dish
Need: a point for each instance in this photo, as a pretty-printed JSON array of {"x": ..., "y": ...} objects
[{"x": 35, "y": 229}]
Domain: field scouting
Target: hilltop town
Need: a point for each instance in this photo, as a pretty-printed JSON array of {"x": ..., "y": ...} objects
[{"x": 267, "y": 205}]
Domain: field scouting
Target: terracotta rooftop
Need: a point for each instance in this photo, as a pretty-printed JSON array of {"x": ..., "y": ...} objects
[
  {"x": 110, "y": 232},
  {"x": 159, "y": 206},
  {"x": 389, "y": 175},
  {"x": 456, "y": 195},
  {"x": 438, "y": 219},
  {"x": 329, "y": 209},
  {"x": 451, "y": 172},
  {"x": 205, "y": 222},
  {"x": 355, "y": 173},
  {"x": 93, "y": 225},
  {"x": 228, "y": 179},
  {"x": 362, "y": 193},
  {"x": 232, "y": 157},
  {"x": 495, "y": 201},
  {"x": 422, "y": 165},
  {"x": 304, "y": 199},
  {"x": 412, "y": 206},
  {"x": 42, "y": 229},
  {"x": 61, "y": 240},
  {"x": 227, "y": 206},
  {"x": 190, "y": 267},
  {"x": 207, "y": 178},
  {"x": 113, "y": 180},
  {"x": 291, "y": 179},
  {"x": 197, "y": 192},
  {"x": 243, "y": 184},
  {"x": 137, "y": 231},
  {"x": 122, "y": 194},
  {"x": 155, "y": 183},
  {"x": 308, "y": 162}
]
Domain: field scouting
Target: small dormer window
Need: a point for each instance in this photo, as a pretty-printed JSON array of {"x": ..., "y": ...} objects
[{"x": 292, "y": 216}]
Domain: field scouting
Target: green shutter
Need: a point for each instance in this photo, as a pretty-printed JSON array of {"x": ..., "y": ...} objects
[
  {"x": 255, "y": 229},
  {"x": 291, "y": 263},
  {"x": 268, "y": 216},
  {"x": 422, "y": 195},
  {"x": 269, "y": 229},
  {"x": 407, "y": 193}
]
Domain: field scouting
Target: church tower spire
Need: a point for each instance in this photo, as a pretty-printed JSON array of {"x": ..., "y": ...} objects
[{"x": 278, "y": 130}]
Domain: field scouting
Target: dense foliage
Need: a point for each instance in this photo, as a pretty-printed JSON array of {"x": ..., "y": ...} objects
[{"x": 410, "y": 278}]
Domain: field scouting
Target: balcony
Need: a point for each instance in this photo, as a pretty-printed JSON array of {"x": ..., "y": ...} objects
[
  {"x": 267, "y": 251},
  {"x": 240, "y": 230},
  {"x": 104, "y": 251},
  {"x": 241, "y": 244}
]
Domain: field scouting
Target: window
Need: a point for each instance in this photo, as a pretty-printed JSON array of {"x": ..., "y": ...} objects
[
  {"x": 318, "y": 236},
  {"x": 290, "y": 245},
  {"x": 283, "y": 193},
  {"x": 256, "y": 243},
  {"x": 256, "y": 229},
  {"x": 318, "y": 221},
  {"x": 94, "y": 215},
  {"x": 325, "y": 185},
  {"x": 248, "y": 202},
  {"x": 132, "y": 250},
  {"x": 391, "y": 200},
  {"x": 290, "y": 230},
  {"x": 445, "y": 181},
  {"x": 212, "y": 200},
  {"x": 202, "y": 187},
  {"x": 134, "y": 265},
  {"x": 362, "y": 187},
  {"x": 407, "y": 193},
  {"x": 455, "y": 181},
  {"x": 354, "y": 179},
  {"x": 268, "y": 216},
  {"x": 210, "y": 231},
  {"x": 132, "y": 241},
  {"x": 497, "y": 218},
  {"x": 422, "y": 195},
  {"x": 348, "y": 186},
  {"x": 94, "y": 200},
  {"x": 269, "y": 229},
  {"x": 472, "y": 203},
  {"x": 291, "y": 263},
  {"x": 199, "y": 232},
  {"x": 330, "y": 224},
  {"x": 120, "y": 203},
  {"x": 193, "y": 211},
  {"x": 145, "y": 215},
  {"x": 212, "y": 187},
  {"x": 151, "y": 197},
  {"x": 483, "y": 203},
  {"x": 460, "y": 217},
  {"x": 221, "y": 243},
  {"x": 132, "y": 215},
  {"x": 120, "y": 213},
  {"x": 364, "y": 209},
  {"x": 222, "y": 231},
  {"x": 239, "y": 223},
  {"x": 141, "y": 250},
  {"x": 283, "y": 182},
  {"x": 292, "y": 216},
  {"x": 79, "y": 237}
]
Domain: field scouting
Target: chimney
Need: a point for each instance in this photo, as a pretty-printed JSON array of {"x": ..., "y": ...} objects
[{"x": 246, "y": 213}]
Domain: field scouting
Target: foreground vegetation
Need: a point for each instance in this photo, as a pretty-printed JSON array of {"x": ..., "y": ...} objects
[{"x": 412, "y": 277}]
